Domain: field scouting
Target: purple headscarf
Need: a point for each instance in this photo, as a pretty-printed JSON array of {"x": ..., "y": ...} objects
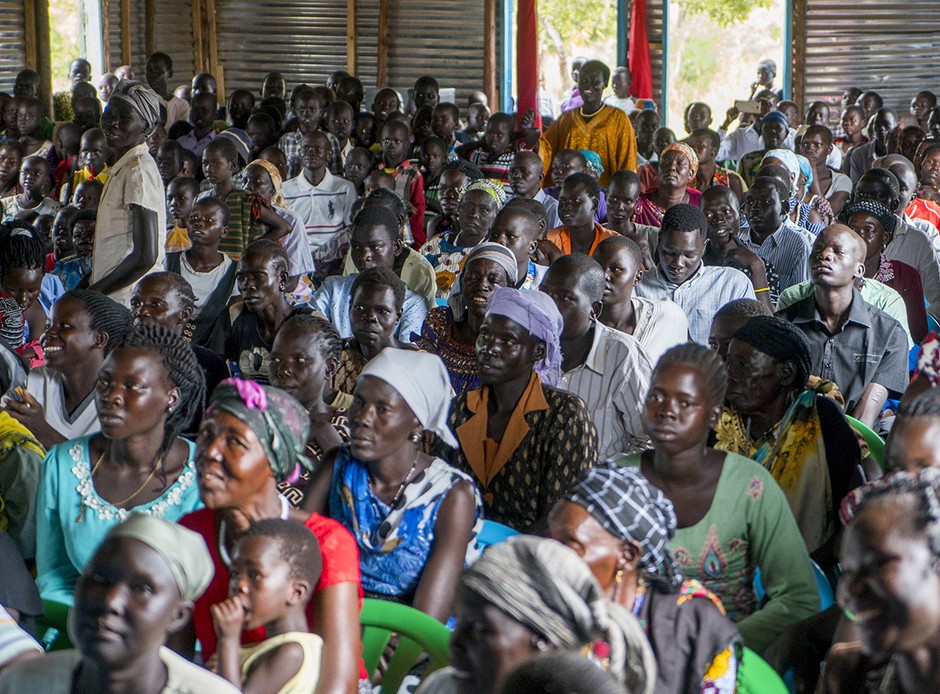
[{"x": 537, "y": 313}]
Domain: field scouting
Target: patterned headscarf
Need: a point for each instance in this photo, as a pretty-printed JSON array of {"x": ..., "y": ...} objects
[
  {"x": 278, "y": 198},
  {"x": 630, "y": 508},
  {"x": 874, "y": 209},
  {"x": 11, "y": 322},
  {"x": 141, "y": 98},
  {"x": 537, "y": 313},
  {"x": 421, "y": 380},
  {"x": 789, "y": 160},
  {"x": 806, "y": 168},
  {"x": 547, "y": 587},
  {"x": 278, "y": 420},
  {"x": 593, "y": 160},
  {"x": 491, "y": 187},
  {"x": 488, "y": 250},
  {"x": 684, "y": 149}
]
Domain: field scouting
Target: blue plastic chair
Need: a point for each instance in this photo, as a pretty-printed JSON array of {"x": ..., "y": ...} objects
[
  {"x": 827, "y": 597},
  {"x": 494, "y": 533}
]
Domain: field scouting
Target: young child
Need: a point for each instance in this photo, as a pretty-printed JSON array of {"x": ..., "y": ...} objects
[
  {"x": 210, "y": 273},
  {"x": 67, "y": 137},
  {"x": 275, "y": 566},
  {"x": 29, "y": 121},
  {"x": 359, "y": 163},
  {"x": 339, "y": 124},
  {"x": 180, "y": 197},
  {"x": 364, "y": 132},
  {"x": 11, "y": 156},
  {"x": 262, "y": 130},
  {"x": 93, "y": 157},
  {"x": 249, "y": 216},
  {"x": 433, "y": 157},
  {"x": 409, "y": 183},
  {"x": 88, "y": 195},
  {"x": 62, "y": 234},
  {"x": 169, "y": 161},
  {"x": 444, "y": 123},
  {"x": 307, "y": 107},
  {"x": 477, "y": 117},
  {"x": 75, "y": 269},
  {"x": 375, "y": 180},
  {"x": 35, "y": 181},
  {"x": 493, "y": 155},
  {"x": 189, "y": 165}
]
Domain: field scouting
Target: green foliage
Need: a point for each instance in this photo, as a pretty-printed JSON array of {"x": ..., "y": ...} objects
[
  {"x": 581, "y": 22},
  {"x": 724, "y": 12},
  {"x": 700, "y": 61}
]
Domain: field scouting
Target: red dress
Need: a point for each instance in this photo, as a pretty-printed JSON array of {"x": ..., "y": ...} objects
[{"x": 340, "y": 565}]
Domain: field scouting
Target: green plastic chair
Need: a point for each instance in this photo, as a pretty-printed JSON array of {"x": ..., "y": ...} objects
[
  {"x": 418, "y": 634},
  {"x": 52, "y": 627},
  {"x": 755, "y": 676},
  {"x": 876, "y": 444}
]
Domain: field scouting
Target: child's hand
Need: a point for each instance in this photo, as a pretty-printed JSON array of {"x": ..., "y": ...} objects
[
  {"x": 228, "y": 617},
  {"x": 528, "y": 118}
]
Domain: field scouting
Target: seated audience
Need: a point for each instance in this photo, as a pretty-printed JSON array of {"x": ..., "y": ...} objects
[
  {"x": 396, "y": 142},
  {"x": 451, "y": 331},
  {"x": 732, "y": 517},
  {"x": 729, "y": 319},
  {"x": 677, "y": 167},
  {"x": 579, "y": 233},
  {"x": 539, "y": 596},
  {"x": 816, "y": 145},
  {"x": 252, "y": 438},
  {"x": 706, "y": 143},
  {"x": 166, "y": 567},
  {"x": 682, "y": 277},
  {"x": 517, "y": 229},
  {"x": 852, "y": 343},
  {"x": 607, "y": 369},
  {"x": 516, "y": 425},
  {"x": 90, "y": 484},
  {"x": 862, "y": 157},
  {"x": 181, "y": 196},
  {"x": 656, "y": 325},
  {"x": 525, "y": 181},
  {"x": 621, "y": 525}
]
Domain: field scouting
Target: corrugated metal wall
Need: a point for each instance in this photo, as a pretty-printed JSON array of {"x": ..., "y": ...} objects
[
  {"x": 889, "y": 46},
  {"x": 173, "y": 36},
  {"x": 12, "y": 42},
  {"x": 654, "y": 31},
  {"x": 305, "y": 41}
]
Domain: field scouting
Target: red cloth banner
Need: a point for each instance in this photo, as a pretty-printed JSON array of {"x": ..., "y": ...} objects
[
  {"x": 527, "y": 60},
  {"x": 640, "y": 53}
]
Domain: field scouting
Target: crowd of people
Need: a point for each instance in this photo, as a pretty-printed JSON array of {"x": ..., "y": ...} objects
[{"x": 330, "y": 342}]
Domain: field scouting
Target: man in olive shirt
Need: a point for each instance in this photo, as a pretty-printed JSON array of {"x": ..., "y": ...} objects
[{"x": 859, "y": 347}]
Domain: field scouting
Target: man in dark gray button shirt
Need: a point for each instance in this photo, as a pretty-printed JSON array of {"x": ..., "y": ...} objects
[{"x": 859, "y": 347}]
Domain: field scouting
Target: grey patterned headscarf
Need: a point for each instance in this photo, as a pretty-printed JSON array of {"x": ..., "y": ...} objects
[
  {"x": 141, "y": 98},
  {"x": 548, "y": 588},
  {"x": 630, "y": 508}
]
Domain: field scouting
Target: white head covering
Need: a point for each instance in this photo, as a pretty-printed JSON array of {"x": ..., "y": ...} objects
[
  {"x": 422, "y": 381},
  {"x": 789, "y": 160}
]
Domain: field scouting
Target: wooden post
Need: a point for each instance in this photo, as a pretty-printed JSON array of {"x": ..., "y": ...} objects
[
  {"x": 351, "y": 37},
  {"x": 150, "y": 27},
  {"x": 199, "y": 54},
  {"x": 489, "y": 51},
  {"x": 29, "y": 20},
  {"x": 381, "y": 79},
  {"x": 125, "y": 32},
  {"x": 798, "y": 53},
  {"x": 38, "y": 49},
  {"x": 105, "y": 35},
  {"x": 212, "y": 43}
]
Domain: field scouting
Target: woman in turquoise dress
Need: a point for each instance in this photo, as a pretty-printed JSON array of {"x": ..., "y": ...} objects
[
  {"x": 148, "y": 389},
  {"x": 732, "y": 517}
]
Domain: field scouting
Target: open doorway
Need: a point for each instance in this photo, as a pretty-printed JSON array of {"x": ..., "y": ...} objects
[
  {"x": 65, "y": 43},
  {"x": 712, "y": 49}
]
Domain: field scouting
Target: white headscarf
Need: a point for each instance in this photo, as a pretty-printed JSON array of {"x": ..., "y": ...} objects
[
  {"x": 421, "y": 380},
  {"x": 789, "y": 160}
]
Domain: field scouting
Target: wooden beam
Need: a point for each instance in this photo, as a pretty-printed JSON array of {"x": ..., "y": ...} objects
[
  {"x": 351, "y": 37},
  {"x": 490, "y": 64},
  {"x": 150, "y": 27},
  {"x": 381, "y": 79},
  {"x": 199, "y": 54},
  {"x": 798, "y": 54},
  {"x": 125, "y": 32},
  {"x": 212, "y": 44},
  {"x": 29, "y": 20},
  {"x": 106, "y": 34}
]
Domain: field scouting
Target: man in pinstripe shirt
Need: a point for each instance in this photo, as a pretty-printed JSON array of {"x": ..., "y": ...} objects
[{"x": 606, "y": 368}]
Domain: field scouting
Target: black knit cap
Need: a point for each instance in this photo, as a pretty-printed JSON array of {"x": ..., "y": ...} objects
[
  {"x": 872, "y": 208},
  {"x": 780, "y": 340},
  {"x": 684, "y": 217}
]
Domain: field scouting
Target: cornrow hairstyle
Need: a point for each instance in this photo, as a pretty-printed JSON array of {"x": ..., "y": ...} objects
[
  {"x": 713, "y": 369},
  {"x": 20, "y": 247},
  {"x": 178, "y": 284},
  {"x": 321, "y": 331},
  {"x": 107, "y": 315},
  {"x": 466, "y": 168},
  {"x": 927, "y": 404},
  {"x": 380, "y": 277},
  {"x": 924, "y": 517},
  {"x": 184, "y": 373},
  {"x": 270, "y": 248},
  {"x": 296, "y": 546}
]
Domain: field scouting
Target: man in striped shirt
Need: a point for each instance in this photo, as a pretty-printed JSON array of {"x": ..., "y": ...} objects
[
  {"x": 606, "y": 368},
  {"x": 321, "y": 200}
]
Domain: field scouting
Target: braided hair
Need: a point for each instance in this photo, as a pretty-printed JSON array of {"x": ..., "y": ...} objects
[
  {"x": 184, "y": 373},
  {"x": 708, "y": 362},
  {"x": 321, "y": 332},
  {"x": 924, "y": 514},
  {"x": 107, "y": 315},
  {"x": 20, "y": 247},
  {"x": 178, "y": 284}
]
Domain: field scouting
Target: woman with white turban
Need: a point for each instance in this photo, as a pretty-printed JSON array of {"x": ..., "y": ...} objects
[
  {"x": 413, "y": 516},
  {"x": 132, "y": 212}
]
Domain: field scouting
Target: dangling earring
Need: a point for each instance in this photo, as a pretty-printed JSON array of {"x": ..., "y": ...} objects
[
  {"x": 415, "y": 437},
  {"x": 540, "y": 644},
  {"x": 618, "y": 577}
]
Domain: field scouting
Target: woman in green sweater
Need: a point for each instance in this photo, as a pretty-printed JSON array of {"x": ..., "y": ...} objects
[{"x": 732, "y": 516}]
